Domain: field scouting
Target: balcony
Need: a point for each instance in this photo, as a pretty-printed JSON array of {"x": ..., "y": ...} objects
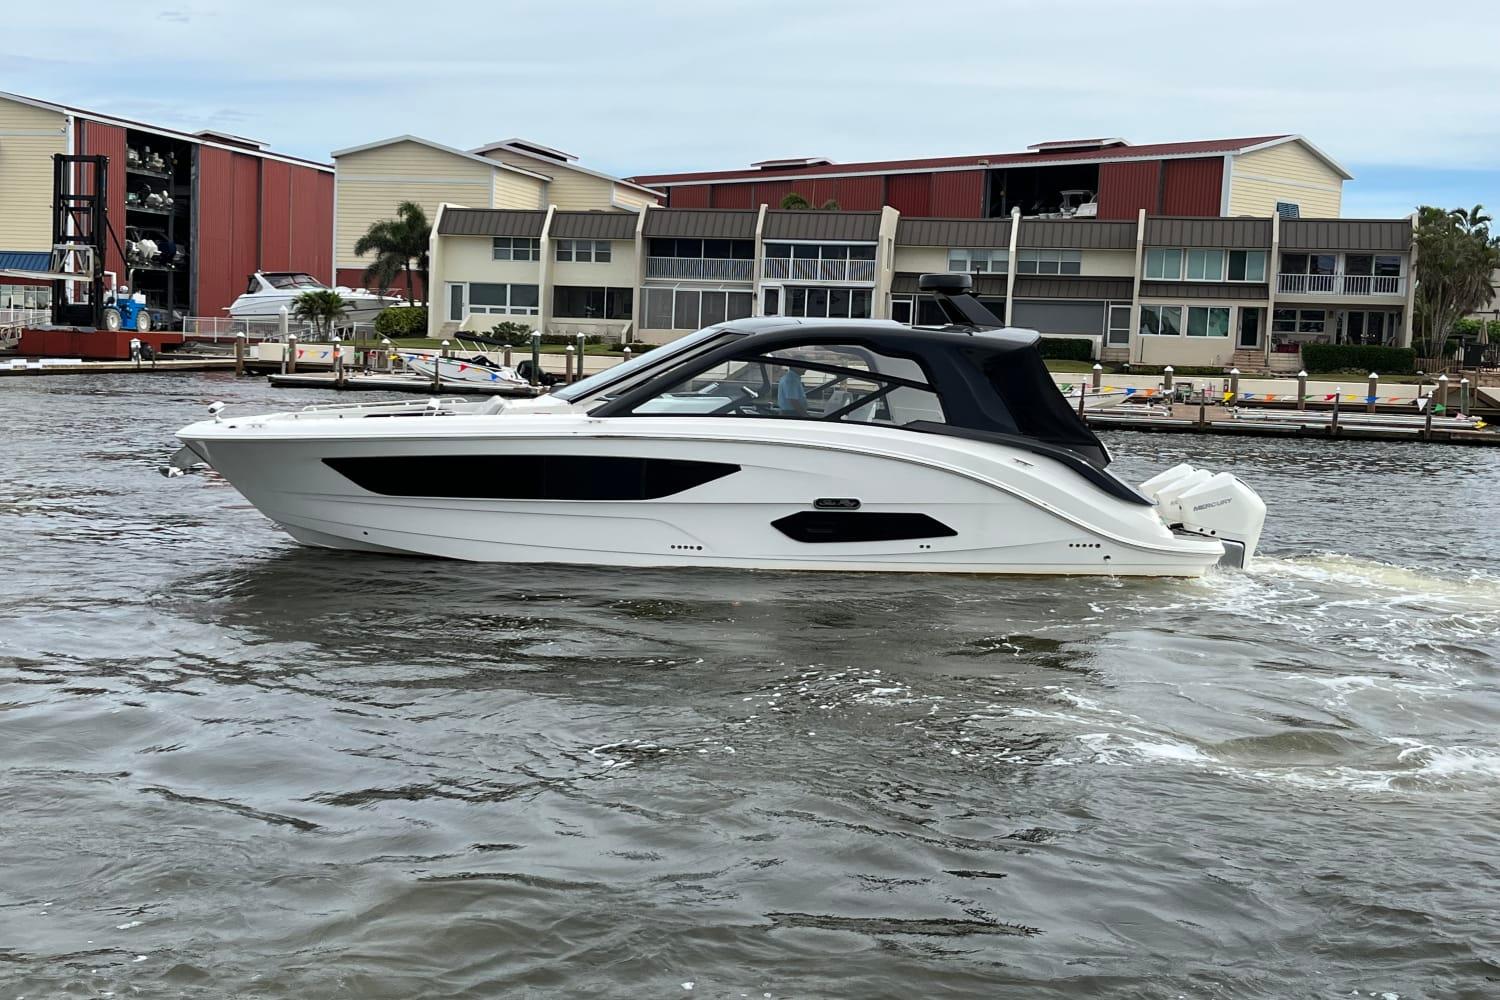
[
  {"x": 1340, "y": 284},
  {"x": 800, "y": 269},
  {"x": 700, "y": 268}
]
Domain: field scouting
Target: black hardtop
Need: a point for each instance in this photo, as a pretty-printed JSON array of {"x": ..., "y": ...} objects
[{"x": 990, "y": 382}]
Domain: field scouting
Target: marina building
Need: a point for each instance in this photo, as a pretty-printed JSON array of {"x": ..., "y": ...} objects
[
  {"x": 512, "y": 174},
  {"x": 1155, "y": 289},
  {"x": 1111, "y": 179},
  {"x": 215, "y": 206}
]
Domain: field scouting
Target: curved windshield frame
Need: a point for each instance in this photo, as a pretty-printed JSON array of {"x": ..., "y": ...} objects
[{"x": 647, "y": 364}]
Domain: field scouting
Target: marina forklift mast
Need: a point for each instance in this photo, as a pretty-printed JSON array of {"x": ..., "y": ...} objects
[{"x": 80, "y": 221}]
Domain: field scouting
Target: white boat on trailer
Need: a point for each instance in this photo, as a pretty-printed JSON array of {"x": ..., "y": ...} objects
[
  {"x": 755, "y": 444},
  {"x": 267, "y": 291}
]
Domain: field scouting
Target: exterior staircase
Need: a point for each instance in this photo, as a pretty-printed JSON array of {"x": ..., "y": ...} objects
[{"x": 1254, "y": 361}]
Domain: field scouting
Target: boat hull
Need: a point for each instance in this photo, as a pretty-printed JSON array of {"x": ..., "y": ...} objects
[
  {"x": 459, "y": 370},
  {"x": 1000, "y": 510}
]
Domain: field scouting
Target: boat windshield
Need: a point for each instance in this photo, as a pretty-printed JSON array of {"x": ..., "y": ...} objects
[
  {"x": 293, "y": 281},
  {"x": 648, "y": 364},
  {"x": 840, "y": 382}
]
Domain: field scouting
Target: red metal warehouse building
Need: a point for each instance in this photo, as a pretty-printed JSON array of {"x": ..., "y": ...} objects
[
  {"x": 1178, "y": 178},
  {"x": 230, "y": 205}
]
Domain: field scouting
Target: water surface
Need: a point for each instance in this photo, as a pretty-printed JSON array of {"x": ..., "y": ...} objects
[{"x": 238, "y": 767}]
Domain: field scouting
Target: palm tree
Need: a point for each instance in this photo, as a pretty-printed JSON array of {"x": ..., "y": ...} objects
[
  {"x": 321, "y": 308},
  {"x": 397, "y": 243},
  {"x": 1455, "y": 258},
  {"x": 831, "y": 205},
  {"x": 795, "y": 201}
]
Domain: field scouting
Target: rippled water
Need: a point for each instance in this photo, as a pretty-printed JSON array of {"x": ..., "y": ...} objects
[{"x": 236, "y": 767}]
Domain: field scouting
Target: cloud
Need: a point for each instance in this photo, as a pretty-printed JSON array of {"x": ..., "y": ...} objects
[{"x": 680, "y": 84}]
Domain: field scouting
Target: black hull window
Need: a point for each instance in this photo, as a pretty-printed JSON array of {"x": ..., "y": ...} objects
[
  {"x": 815, "y": 526},
  {"x": 528, "y": 477}
]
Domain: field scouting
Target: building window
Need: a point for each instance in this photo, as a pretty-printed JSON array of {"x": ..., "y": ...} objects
[
  {"x": 1299, "y": 321},
  {"x": 1161, "y": 321},
  {"x": 1308, "y": 263},
  {"x": 1373, "y": 265},
  {"x": 978, "y": 261},
  {"x": 583, "y": 251},
  {"x": 712, "y": 249},
  {"x": 1247, "y": 265},
  {"x": 692, "y": 308},
  {"x": 515, "y": 248},
  {"x": 902, "y": 307},
  {"x": 588, "y": 302},
  {"x": 1049, "y": 262},
  {"x": 1208, "y": 321},
  {"x": 466, "y": 299},
  {"x": 828, "y": 303},
  {"x": 1164, "y": 265},
  {"x": 1205, "y": 265},
  {"x": 1288, "y": 209}
]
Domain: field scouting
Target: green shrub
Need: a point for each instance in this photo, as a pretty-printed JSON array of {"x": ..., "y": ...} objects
[
  {"x": 1358, "y": 357},
  {"x": 512, "y": 333},
  {"x": 636, "y": 347},
  {"x": 402, "y": 321},
  {"x": 1067, "y": 349}
]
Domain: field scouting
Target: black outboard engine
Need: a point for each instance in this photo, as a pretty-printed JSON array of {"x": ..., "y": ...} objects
[{"x": 955, "y": 297}]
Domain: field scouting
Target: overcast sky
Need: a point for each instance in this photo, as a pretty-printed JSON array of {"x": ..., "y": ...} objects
[{"x": 1406, "y": 96}]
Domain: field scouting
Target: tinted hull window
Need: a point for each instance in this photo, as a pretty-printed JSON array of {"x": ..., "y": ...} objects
[
  {"x": 528, "y": 477},
  {"x": 816, "y": 526}
]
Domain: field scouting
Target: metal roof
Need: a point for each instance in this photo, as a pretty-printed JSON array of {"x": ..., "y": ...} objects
[
  {"x": 815, "y": 224},
  {"x": 1180, "y": 290},
  {"x": 1052, "y": 287},
  {"x": 491, "y": 222},
  {"x": 199, "y": 138},
  {"x": 701, "y": 223},
  {"x": 1076, "y": 234},
  {"x": 25, "y": 260},
  {"x": 905, "y": 283},
  {"x": 1230, "y": 233},
  {"x": 396, "y": 140},
  {"x": 919, "y": 232},
  {"x": 1346, "y": 234},
  {"x": 593, "y": 225},
  {"x": 1149, "y": 151}
]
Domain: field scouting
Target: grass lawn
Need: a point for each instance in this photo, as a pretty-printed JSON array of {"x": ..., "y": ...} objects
[{"x": 1071, "y": 367}]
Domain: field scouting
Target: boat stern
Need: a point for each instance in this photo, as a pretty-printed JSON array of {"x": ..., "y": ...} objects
[{"x": 1214, "y": 505}]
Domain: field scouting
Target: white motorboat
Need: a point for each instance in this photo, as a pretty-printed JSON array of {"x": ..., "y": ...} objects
[
  {"x": 1095, "y": 399},
  {"x": 477, "y": 368},
  {"x": 756, "y": 444},
  {"x": 268, "y": 291}
]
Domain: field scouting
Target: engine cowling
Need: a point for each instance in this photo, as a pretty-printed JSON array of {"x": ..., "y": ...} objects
[{"x": 1215, "y": 505}]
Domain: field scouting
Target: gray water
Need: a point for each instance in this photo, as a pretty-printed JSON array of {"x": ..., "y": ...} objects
[{"x": 234, "y": 767}]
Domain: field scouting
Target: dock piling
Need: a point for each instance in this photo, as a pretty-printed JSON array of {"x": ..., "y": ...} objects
[
  {"x": 1302, "y": 389},
  {"x": 1234, "y": 388},
  {"x": 1166, "y": 380},
  {"x": 289, "y": 356},
  {"x": 239, "y": 353},
  {"x": 1098, "y": 375},
  {"x": 626, "y": 352},
  {"x": 1373, "y": 392},
  {"x": 1333, "y": 426},
  {"x": 582, "y": 342},
  {"x": 390, "y": 361},
  {"x": 338, "y": 363},
  {"x": 1442, "y": 395},
  {"x": 1463, "y": 395},
  {"x": 536, "y": 357},
  {"x": 568, "y": 363},
  {"x": 1427, "y": 419}
]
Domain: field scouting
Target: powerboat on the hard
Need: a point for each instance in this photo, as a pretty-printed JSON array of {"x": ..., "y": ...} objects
[
  {"x": 763, "y": 443},
  {"x": 268, "y": 291}
]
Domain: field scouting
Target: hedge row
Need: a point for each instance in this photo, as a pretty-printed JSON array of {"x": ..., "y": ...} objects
[
  {"x": 1358, "y": 357},
  {"x": 402, "y": 321},
  {"x": 1067, "y": 349}
]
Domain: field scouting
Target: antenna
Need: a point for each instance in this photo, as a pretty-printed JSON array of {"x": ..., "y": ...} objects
[{"x": 956, "y": 299}]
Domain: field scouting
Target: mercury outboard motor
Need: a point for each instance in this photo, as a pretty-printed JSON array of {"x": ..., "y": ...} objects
[{"x": 1215, "y": 505}]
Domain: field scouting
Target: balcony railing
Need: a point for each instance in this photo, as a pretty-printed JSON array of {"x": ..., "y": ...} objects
[
  {"x": 700, "y": 268},
  {"x": 1340, "y": 284},
  {"x": 806, "y": 269}
]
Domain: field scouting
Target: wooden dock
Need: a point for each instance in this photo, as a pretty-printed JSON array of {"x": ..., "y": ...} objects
[
  {"x": 1350, "y": 426},
  {"x": 69, "y": 366}
]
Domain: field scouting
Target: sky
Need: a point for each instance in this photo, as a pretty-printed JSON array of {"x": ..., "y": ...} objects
[{"x": 1406, "y": 96}]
